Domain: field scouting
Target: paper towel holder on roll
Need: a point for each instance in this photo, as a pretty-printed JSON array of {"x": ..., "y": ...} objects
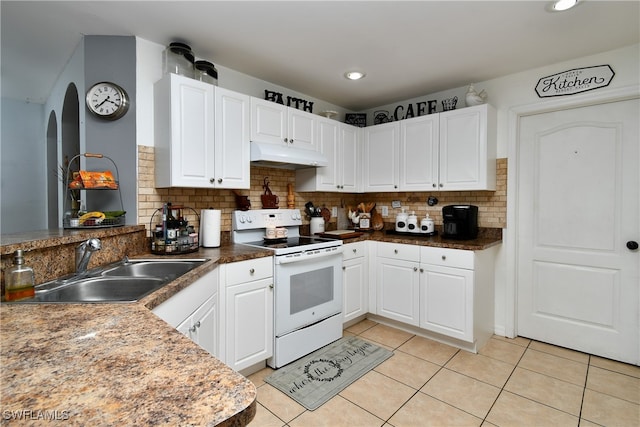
[{"x": 210, "y": 220}]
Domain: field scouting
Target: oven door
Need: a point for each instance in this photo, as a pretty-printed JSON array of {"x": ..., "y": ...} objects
[{"x": 307, "y": 291}]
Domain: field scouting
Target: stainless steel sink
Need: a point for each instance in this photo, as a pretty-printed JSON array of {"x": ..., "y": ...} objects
[
  {"x": 152, "y": 268},
  {"x": 102, "y": 289},
  {"x": 125, "y": 281}
]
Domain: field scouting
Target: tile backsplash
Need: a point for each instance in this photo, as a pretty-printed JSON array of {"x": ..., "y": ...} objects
[{"x": 492, "y": 205}]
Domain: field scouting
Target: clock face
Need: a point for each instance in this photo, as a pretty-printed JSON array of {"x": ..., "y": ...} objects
[{"x": 107, "y": 100}]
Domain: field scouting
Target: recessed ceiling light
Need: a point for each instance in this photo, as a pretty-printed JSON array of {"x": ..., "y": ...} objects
[
  {"x": 561, "y": 5},
  {"x": 354, "y": 75}
]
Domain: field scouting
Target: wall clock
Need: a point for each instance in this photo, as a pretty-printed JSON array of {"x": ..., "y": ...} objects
[{"x": 107, "y": 100}]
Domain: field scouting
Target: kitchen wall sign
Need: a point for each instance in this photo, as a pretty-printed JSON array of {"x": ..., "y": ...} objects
[
  {"x": 356, "y": 119},
  {"x": 296, "y": 103},
  {"x": 575, "y": 81}
]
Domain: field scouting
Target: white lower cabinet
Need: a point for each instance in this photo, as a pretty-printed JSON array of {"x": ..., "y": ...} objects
[
  {"x": 194, "y": 312},
  {"x": 354, "y": 281},
  {"x": 446, "y": 301},
  {"x": 202, "y": 326},
  {"x": 397, "y": 282},
  {"x": 247, "y": 329},
  {"x": 446, "y": 291}
]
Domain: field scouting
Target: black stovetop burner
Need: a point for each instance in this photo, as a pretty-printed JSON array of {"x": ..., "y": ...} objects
[{"x": 288, "y": 242}]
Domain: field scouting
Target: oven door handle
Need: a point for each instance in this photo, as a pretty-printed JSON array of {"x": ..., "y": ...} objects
[{"x": 303, "y": 257}]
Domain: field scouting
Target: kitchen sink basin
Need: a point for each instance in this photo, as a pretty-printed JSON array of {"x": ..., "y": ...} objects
[
  {"x": 125, "y": 281},
  {"x": 152, "y": 268},
  {"x": 102, "y": 289}
]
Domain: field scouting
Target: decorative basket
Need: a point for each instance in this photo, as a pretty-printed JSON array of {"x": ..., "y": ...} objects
[
  {"x": 183, "y": 243},
  {"x": 449, "y": 104}
]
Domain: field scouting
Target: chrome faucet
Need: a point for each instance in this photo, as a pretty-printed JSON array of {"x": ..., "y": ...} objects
[{"x": 84, "y": 252}]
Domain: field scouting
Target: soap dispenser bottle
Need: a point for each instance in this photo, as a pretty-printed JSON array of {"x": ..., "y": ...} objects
[{"x": 19, "y": 279}]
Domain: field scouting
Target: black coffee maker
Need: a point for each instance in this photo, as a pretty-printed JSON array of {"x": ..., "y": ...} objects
[{"x": 460, "y": 222}]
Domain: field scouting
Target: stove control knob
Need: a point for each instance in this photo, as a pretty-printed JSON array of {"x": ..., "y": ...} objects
[{"x": 249, "y": 219}]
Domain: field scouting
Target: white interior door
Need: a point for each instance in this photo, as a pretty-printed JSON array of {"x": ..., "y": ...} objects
[{"x": 577, "y": 205}]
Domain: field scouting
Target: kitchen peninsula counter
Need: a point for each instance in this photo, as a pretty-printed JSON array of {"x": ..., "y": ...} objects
[
  {"x": 113, "y": 364},
  {"x": 118, "y": 363}
]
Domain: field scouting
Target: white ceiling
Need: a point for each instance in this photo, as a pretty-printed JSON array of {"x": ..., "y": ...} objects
[{"x": 407, "y": 48}]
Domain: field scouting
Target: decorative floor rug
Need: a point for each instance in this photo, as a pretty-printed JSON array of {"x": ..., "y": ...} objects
[{"x": 317, "y": 377}]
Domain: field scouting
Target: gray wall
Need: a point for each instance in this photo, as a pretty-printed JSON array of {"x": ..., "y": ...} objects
[
  {"x": 22, "y": 183},
  {"x": 111, "y": 58}
]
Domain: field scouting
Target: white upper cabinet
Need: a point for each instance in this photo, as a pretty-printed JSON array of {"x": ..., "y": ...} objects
[
  {"x": 201, "y": 135},
  {"x": 339, "y": 143},
  {"x": 380, "y": 156},
  {"x": 450, "y": 151},
  {"x": 184, "y": 132},
  {"x": 350, "y": 158},
  {"x": 419, "y": 153},
  {"x": 278, "y": 124},
  {"x": 468, "y": 149},
  {"x": 233, "y": 117}
]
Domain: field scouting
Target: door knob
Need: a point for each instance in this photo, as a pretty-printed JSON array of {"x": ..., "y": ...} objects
[{"x": 632, "y": 245}]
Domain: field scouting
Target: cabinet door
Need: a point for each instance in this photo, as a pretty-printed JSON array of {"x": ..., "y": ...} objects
[
  {"x": 184, "y": 130},
  {"x": 467, "y": 149},
  {"x": 205, "y": 326},
  {"x": 446, "y": 301},
  {"x": 381, "y": 157},
  {"x": 328, "y": 178},
  {"x": 398, "y": 290},
  {"x": 350, "y": 168},
  {"x": 302, "y": 129},
  {"x": 419, "y": 140},
  {"x": 232, "y": 157},
  {"x": 249, "y": 323},
  {"x": 268, "y": 122},
  {"x": 355, "y": 288}
]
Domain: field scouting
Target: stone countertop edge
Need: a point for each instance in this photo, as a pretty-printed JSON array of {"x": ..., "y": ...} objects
[{"x": 486, "y": 239}]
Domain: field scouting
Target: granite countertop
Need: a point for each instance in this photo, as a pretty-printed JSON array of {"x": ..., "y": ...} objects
[
  {"x": 118, "y": 364},
  {"x": 114, "y": 364},
  {"x": 486, "y": 238}
]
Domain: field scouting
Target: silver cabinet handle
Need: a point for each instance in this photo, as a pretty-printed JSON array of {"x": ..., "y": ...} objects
[
  {"x": 194, "y": 327},
  {"x": 251, "y": 271}
]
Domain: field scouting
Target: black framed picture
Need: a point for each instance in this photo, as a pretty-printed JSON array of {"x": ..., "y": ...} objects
[{"x": 356, "y": 119}]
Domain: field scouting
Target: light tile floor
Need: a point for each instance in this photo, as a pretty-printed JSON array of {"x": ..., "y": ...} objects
[{"x": 515, "y": 382}]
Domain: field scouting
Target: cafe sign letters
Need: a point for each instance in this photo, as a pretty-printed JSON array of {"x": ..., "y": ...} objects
[{"x": 575, "y": 81}]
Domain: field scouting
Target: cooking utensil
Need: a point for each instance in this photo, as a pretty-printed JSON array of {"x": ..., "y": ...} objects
[
  {"x": 326, "y": 214},
  {"x": 309, "y": 209},
  {"x": 377, "y": 222},
  {"x": 265, "y": 185}
]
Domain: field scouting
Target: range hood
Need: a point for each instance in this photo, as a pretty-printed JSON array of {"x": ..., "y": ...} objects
[{"x": 283, "y": 157}]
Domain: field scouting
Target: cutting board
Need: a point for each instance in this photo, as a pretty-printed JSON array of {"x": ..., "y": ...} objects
[{"x": 341, "y": 234}]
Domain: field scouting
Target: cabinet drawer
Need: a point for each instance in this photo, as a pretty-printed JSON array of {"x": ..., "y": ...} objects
[
  {"x": 399, "y": 251},
  {"x": 447, "y": 257},
  {"x": 250, "y": 270},
  {"x": 354, "y": 250}
]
